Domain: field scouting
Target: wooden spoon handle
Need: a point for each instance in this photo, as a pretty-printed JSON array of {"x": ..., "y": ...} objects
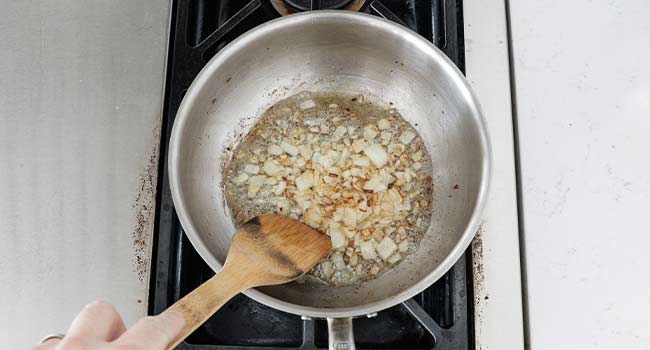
[{"x": 204, "y": 301}]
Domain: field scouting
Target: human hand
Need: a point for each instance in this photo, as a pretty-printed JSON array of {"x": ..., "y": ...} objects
[{"x": 99, "y": 327}]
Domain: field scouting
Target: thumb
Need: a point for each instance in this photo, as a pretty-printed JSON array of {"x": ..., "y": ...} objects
[{"x": 153, "y": 332}]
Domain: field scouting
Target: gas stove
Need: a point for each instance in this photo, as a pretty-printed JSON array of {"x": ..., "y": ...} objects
[{"x": 441, "y": 317}]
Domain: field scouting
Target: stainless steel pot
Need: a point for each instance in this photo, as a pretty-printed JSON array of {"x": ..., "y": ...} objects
[{"x": 333, "y": 51}]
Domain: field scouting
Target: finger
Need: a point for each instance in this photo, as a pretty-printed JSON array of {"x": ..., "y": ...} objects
[
  {"x": 98, "y": 321},
  {"x": 153, "y": 332}
]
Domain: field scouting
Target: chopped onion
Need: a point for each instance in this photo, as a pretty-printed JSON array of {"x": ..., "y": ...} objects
[
  {"x": 275, "y": 150},
  {"x": 403, "y": 246},
  {"x": 361, "y": 161},
  {"x": 407, "y": 137},
  {"x": 358, "y": 145},
  {"x": 367, "y": 249},
  {"x": 376, "y": 183},
  {"x": 252, "y": 169},
  {"x": 386, "y": 248},
  {"x": 396, "y": 148},
  {"x": 326, "y": 269},
  {"x": 305, "y": 181},
  {"x": 305, "y": 151},
  {"x": 383, "y": 124},
  {"x": 340, "y": 132},
  {"x": 289, "y": 148},
  {"x": 394, "y": 258},
  {"x": 350, "y": 217},
  {"x": 273, "y": 168},
  {"x": 370, "y": 131},
  {"x": 240, "y": 179},
  {"x": 337, "y": 236},
  {"x": 377, "y": 155},
  {"x": 337, "y": 261},
  {"x": 279, "y": 189}
]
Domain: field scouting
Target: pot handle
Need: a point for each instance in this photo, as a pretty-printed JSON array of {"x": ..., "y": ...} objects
[{"x": 340, "y": 333}]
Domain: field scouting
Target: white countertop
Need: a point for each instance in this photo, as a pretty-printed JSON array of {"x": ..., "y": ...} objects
[
  {"x": 582, "y": 74},
  {"x": 80, "y": 107}
]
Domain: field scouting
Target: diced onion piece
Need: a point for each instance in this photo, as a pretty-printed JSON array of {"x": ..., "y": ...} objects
[
  {"x": 279, "y": 189},
  {"x": 313, "y": 218},
  {"x": 354, "y": 260},
  {"x": 350, "y": 217},
  {"x": 403, "y": 246},
  {"x": 305, "y": 151},
  {"x": 386, "y": 248},
  {"x": 356, "y": 172},
  {"x": 370, "y": 131},
  {"x": 367, "y": 249},
  {"x": 340, "y": 132},
  {"x": 377, "y": 155},
  {"x": 343, "y": 156},
  {"x": 383, "y": 124},
  {"x": 333, "y": 155},
  {"x": 361, "y": 161},
  {"x": 394, "y": 258},
  {"x": 300, "y": 162},
  {"x": 406, "y": 137},
  {"x": 305, "y": 181},
  {"x": 337, "y": 261},
  {"x": 326, "y": 269},
  {"x": 275, "y": 150},
  {"x": 338, "y": 214},
  {"x": 240, "y": 179},
  {"x": 358, "y": 145},
  {"x": 337, "y": 236},
  {"x": 409, "y": 174},
  {"x": 396, "y": 148},
  {"x": 325, "y": 161},
  {"x": 417, "y": 156},
  {"x": 255, "y": 183},
  {"x": 289, "y": 148},
  {"x": 252, "y": 169},
  {"x": 273, "y": 168},
  {"x": 377, "y": 183}
]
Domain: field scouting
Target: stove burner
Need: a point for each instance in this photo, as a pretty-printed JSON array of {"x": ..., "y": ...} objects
[
  {"x": 287, "y": 7},
  {"x": 306, "y": 5}
]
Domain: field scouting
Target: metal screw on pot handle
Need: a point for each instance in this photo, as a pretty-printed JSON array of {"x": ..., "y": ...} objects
[{"x": 340, "y": 333}]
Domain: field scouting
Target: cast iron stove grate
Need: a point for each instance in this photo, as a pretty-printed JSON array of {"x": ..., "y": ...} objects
[{"x": 438, "y": 318}]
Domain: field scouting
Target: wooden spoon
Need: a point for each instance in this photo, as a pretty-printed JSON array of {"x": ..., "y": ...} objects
[{"x": 269, "y": 249}]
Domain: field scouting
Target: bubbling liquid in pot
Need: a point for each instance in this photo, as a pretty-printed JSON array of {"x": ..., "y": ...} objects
[{"x": 344, "y": 165}]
